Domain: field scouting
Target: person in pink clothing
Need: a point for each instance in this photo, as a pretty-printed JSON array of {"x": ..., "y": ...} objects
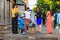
[{"x": 49, "y": 21}]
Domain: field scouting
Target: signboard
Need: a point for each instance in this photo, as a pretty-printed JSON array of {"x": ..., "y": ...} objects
[{"x": 20, "y": 2}]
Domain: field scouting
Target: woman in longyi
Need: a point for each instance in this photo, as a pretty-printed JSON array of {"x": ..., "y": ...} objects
[{"x": 49, "y": 21}]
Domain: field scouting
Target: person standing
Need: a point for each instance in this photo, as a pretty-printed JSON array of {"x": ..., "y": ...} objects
[
  {"x": 55, "y": 20},
  {"x": 49, "y": 21},
  {"x": 21, "y": 23},
  {"x": 38, "y": 18},
  {"x": 58, "y": 21},
  {"x": 44, "y": 17},
  {"x": 14, "y": 19},
  {"x": 27, "y": 19}
]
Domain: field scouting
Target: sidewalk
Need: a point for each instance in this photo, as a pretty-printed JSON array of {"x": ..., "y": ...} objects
[
  {"x": 42, "y": 36},
  {"x": 37, "y": 36}
]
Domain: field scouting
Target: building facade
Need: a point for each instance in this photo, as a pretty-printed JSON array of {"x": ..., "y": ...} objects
[{"x": 5, "y": 12}]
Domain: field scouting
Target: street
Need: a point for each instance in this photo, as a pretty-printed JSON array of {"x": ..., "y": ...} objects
[{"x": 43, "y": 35}]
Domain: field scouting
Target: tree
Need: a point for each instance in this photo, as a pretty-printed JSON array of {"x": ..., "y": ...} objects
[{"x": 54, "y": 5}]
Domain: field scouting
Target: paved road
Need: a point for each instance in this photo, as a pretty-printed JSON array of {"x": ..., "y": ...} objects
[{"x": 43, "y": 34}]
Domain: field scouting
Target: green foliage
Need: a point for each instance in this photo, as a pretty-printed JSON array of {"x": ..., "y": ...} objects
[
  {"x": 54, "y": 5},
  {"x": 42, "y": 5},
  {"x": 34, "y": 9}
]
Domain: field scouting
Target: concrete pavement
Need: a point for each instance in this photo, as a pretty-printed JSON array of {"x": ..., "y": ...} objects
[{"x": 43, "y": 35}]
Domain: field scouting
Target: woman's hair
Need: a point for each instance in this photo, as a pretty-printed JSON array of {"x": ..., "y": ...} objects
[
  {"x": 38, "y": 8},
  {"x": 48, "y": 8},
  {"x": 27, "y": 8},
  {"x": 13, "y": 5}
]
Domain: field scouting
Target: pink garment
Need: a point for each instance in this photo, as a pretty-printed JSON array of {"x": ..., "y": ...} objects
[
  {"x": 25, "y": 23},
  {"x": 49, "y": 22}
]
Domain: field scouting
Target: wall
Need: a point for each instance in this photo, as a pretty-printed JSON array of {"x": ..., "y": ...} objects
[{"x": 5, "y": 18}]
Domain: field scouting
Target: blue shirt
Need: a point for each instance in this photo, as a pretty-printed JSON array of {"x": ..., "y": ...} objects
[
  {"x": 20, "y": 23},
  {"x": 55, "y": 17},
  {"x": 58, "y": 18}
]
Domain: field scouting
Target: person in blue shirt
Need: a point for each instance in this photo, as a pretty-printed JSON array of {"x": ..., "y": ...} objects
[
  {"x": 55, "y": 20},
  {"x": 58, "y": 19},
  {"x": 21, "y": 23}
]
